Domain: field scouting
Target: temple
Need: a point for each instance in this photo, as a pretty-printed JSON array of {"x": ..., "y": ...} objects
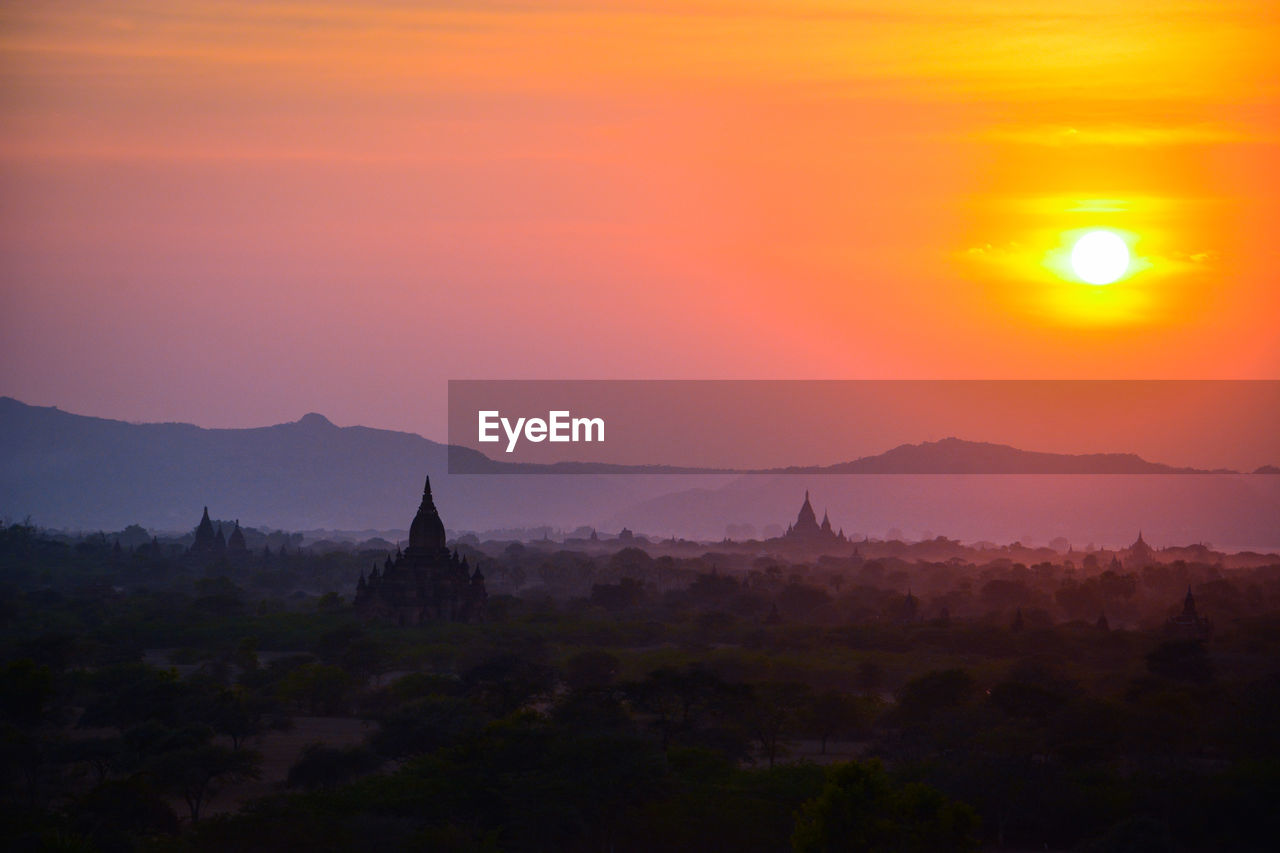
[
  {"x": 1189, "y": 625},
  {"x": 235, "y": 542},
  {"x": 426, "y": 582},
  {"x": 808, "y": 532},
  {"x": 207, "y": 541},
  {"x": 908, "y": 610},
  {"x": 1139, "y": 555}
]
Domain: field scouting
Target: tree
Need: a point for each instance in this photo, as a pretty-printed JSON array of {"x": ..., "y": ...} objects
[
  {"x": 775, "y": 710},
  {"x": 1115, "y": 585},
  {"x": 100, "y": 753},
  {"x": 120, "y": 808},
  {"x": 682, "y": 700},
  {"x": 616, "y": 597},
  {"x": 366, "y": 658},
  {"x": 325, "y": 766},
  {"x": 31, "y": 761},
  {"x": 833, "y": 714},
  {"x": 246, "y": 654},
  {"x": 25, "y": 693},
  {"x": 1024, "y": 699},
  {"x": 1181, "y": 660},
  {"x": 1001, "y": 594},
  {"x": 235, "y": 715},
  {"x": 921, "y": 698},
  {"x": 321, "y": 688},
  {"x": 193, "y": 773},
  {"x": 589, "y": 669},
  {"x": 426, "y": 725},
  {"x": 869, "y": 676},
  {"x": 134, "y": 693},
  {"x": 860, "y": 809},
  {"x": 507, "y": 683},
  {"x": 799, "y": 601}
]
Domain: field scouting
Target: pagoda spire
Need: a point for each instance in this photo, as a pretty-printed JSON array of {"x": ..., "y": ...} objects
[
  {"x": 206, "y": 540},
  {"x": 806, "y": 521},
  {"x": 427, "y": 530}
]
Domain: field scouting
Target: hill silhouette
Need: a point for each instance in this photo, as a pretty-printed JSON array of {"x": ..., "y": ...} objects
[
  {"x": 74, "y": 471},
  {"x": 956, "y": 456},
  {"x": 68, "y": 470}
]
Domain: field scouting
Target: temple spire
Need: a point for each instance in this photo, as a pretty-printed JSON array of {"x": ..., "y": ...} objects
[
  {"x": 206, "y": 540},
  {"x": 806, "y": 520},
  {"x": 427, "y": 530}
]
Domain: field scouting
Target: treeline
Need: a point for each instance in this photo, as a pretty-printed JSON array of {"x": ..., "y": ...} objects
[
  {"x": 632, "y": 582},
  {"x": 645, "y": 714}
]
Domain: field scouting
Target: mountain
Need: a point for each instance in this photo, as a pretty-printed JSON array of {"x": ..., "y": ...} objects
[
  {"x": 955, "y": 456},
  {"x": 72, "y": 471},
  {"x": 67, "y": 470},
  {"x": 948, "y": 456}
]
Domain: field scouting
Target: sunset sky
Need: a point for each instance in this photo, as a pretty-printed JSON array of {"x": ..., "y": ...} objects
[{"x": 232, "y": 213}]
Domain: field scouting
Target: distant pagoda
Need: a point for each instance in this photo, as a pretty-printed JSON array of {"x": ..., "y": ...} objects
[
  {"x": 426, "y": 582},
  {"x": 807, "y": 532},
  {"x": 208, "y": 541},
  {"x": 1189, "y": 624},
  {"x": 1139, "y": 555},
  {"x": 235, "y": 542}
]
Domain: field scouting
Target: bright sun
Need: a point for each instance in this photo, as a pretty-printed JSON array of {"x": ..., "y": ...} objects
[{"x": 1100, "y": 257}]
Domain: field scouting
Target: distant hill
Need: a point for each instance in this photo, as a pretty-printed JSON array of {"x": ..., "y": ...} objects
[
  {"x": 72, "y": 471},
  {"x": 955, "y": 456},
  {"x": 948, "y": 456},
  {"x": 67, "y": 470}
]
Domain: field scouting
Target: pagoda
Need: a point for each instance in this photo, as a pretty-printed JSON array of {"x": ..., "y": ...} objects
[{"x": 426, "y": 582}]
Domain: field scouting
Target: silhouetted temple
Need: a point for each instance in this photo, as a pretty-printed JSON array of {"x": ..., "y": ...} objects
[
  {"x": 426, "y": 582},
  {"x": 1139, "y": 555},
  {"x": 808, "y": 532},
  {"x": 235, "y": 542},
  {"x": 1189, "y": 624},
  {"x": 207, "y": 540},
  {"x": 908, "y": 611}
]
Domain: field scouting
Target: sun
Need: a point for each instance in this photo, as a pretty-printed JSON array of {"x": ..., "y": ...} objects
[{"x": 1100, "y": 257}]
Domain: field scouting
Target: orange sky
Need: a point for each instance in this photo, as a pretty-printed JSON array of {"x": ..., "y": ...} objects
[{"x": 235, "y": 212}]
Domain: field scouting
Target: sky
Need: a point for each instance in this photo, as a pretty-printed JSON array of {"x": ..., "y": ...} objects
[{"x": 233, "y": 213}]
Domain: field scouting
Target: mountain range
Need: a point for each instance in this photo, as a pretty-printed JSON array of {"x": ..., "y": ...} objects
[{"x": 73, "y": 471}]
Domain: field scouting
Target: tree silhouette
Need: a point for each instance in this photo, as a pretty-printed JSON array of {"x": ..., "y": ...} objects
[
  {"x": 860, "y": 809},
  {"x": 193, "y": 773}
]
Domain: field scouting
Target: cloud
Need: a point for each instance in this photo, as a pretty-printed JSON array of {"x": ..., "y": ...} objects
[{"x": 1122, "y": 135}]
